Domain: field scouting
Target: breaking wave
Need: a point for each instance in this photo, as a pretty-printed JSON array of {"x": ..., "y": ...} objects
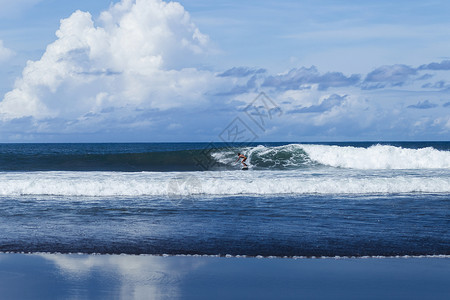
[
  {"x": 217, "y": 183},
  {"x": 295, "y": 156}
]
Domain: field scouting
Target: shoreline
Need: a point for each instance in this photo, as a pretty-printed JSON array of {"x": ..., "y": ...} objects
[
  {"x": 50, "y": 276},
  {"x": 405, "y": 256}
]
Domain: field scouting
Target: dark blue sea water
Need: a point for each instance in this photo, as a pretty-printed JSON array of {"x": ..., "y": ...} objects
[{"x": 327, "y": 199}]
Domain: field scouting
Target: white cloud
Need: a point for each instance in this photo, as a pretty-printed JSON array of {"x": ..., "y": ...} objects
[
  {"x": 5, "y": 53},
  {"x": 122, "y": 72},
  {"x": 142, "y": 54}
]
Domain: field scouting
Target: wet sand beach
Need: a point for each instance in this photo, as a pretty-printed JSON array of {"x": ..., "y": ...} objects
[{"x": 79, "y": 276}]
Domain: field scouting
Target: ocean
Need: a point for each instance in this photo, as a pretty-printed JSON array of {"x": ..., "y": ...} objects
[{"x": 356, "y": 199}]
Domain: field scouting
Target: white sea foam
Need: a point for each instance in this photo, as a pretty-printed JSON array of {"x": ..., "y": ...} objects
[
  {"x": 223, "y": 183},
  {"x": 79, "y": 254},
  {"x": 378, "y": 157}
]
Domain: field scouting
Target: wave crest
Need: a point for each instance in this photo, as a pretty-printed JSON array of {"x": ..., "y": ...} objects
[
  {"x": 378, "y": 157},
  {"x": 262, "y": 157},
  {"x": 296, "y": 156}
]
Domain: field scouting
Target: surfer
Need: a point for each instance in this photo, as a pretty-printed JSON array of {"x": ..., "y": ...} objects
[{"x": 243, "y": 159}]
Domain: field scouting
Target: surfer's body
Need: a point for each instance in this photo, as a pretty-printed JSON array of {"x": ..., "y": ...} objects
[{"x": 244, "y": 158}]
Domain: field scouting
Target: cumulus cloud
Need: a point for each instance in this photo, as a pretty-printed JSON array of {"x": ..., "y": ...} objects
[
  {"x": 443, "y": 65},
  {"x": 423, "y": 105},
  {"x": 425, "y": 77},
  {"x": 5, "y": 53},
  {"x": 325, "y": 105},
  {"x": 441, "y": 84},
  {"x": 241, "y": 72},
  {"x": 296, "y": 79},
  {"x": 394, "y": 75},
  {"x": 241, "y": 85},
  {"x": 140, "y": 54},
  {"x": 135, "y": 67}
]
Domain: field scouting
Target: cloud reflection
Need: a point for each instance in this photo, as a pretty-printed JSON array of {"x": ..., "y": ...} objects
[{"x": 131, "y": 277}]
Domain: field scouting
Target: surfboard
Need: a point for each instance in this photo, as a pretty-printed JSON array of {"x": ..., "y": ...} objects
[{"x": 244, "y": 168}]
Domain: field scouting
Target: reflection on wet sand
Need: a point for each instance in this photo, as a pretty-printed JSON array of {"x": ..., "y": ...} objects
[
  {"x": 73, "y": 276},
  {"x": 137, "y": 277}
]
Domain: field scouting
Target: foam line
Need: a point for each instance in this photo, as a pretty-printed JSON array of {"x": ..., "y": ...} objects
[
  {"x": 425, "y": 256},
  {"x": 216, "y": 183}
]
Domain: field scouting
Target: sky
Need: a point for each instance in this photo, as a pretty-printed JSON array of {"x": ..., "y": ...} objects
[{"x": 198, "y": 70}]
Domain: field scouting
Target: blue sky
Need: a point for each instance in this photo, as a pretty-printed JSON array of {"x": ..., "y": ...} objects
[{"x": 149, "y": 70}]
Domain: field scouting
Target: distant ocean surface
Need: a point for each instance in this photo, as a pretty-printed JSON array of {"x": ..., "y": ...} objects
[{"x": 296, "y": 199}]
